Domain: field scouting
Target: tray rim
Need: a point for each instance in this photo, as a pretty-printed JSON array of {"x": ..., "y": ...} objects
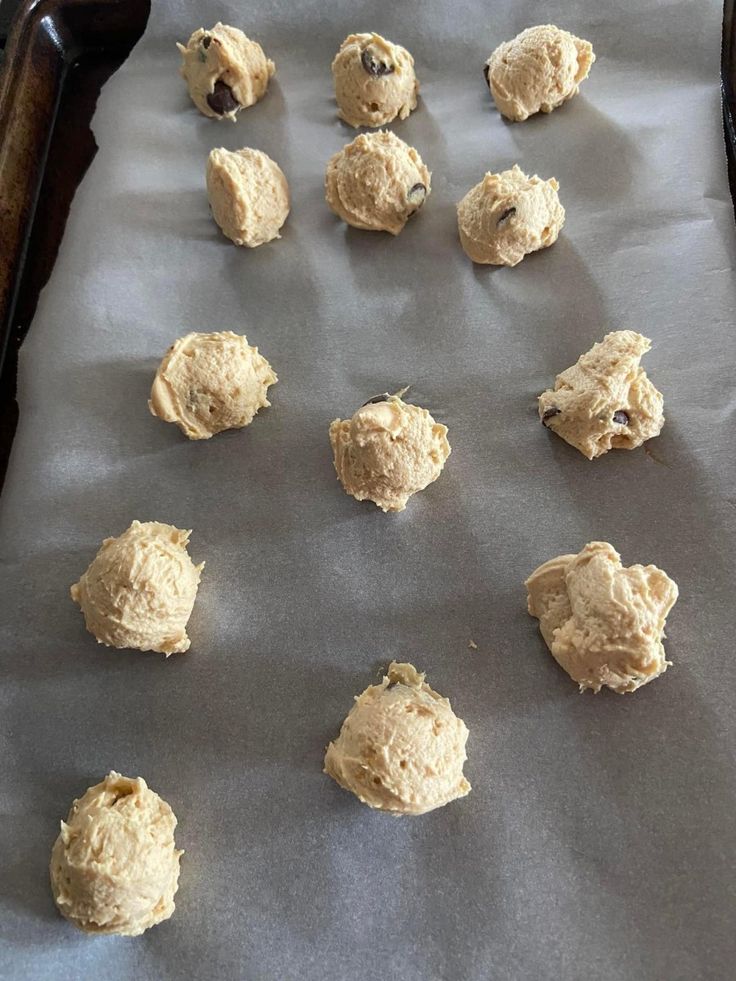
[{"x": 46, "y": 39}]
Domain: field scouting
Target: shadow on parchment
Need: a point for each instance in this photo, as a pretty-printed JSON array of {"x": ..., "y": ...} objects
[
  {"x": 168, "y": 214},
  {"x": 656, "y": 783},
  {"x": 579, "y": 131}
]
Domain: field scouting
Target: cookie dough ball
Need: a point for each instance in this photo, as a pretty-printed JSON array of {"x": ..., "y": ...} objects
[
  {"x": 605, "y": 401},
  {"x": 210, "y": 382},
  {"x": 388, "y": 451},
  {"x": 115, "y": 867},
  {"x": 139, "y": 589},
  {"x": 224, "y": 70},
  {"x": 376, "y": 182},
  {"x": 604, "y": 624},
  {"x": 374, "y": 81},
  {"x": 536, "y": 72},
  {"x": 401, "y": 748},
  {"x": 248, "y": 195},
  {"x": 508, "y": 215}
]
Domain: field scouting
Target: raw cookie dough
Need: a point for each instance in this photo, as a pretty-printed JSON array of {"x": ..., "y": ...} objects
[
  {"x": 401, "y": 747},
  {"x": 115, "y": 867},
  {"x": 605, "y": 401},
  {"x": 210, "y": 382},
  {"x": 224, "y": 70},
  {"x": 374, "y": 81},
  {"x": 376, "y": 182},
  {"x": 537, "y": 71},
  {"x": 248, "y": 195},
  {"x": 139, "y": 589},
  {"x": 508, "y": 215},
  {"x": 388, "y": 451},
  {"x": 603, "y": 623}
]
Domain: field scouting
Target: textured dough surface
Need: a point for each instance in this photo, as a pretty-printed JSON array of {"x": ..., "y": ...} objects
[
  {"x": 537, "y": 71},
  {"x": 603, "y": 623},
  {"x": 605, "y": 401},
  {"x": 139, "y": 589},
  {"x": 374, "y": 81},
  {"x": 115, "y": 867},
  {"x": 388, "y": 451},
  {"x": 207, "y": 383},
  {"x": 248, "y": 194},
  {"x": 401, "y": 747},
  {"x": 224, "y": 70},
  {"x": 376, "y": 182},
  {"x": 508, "y": 215}
]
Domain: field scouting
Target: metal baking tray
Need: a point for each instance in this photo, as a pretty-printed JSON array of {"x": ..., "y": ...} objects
[
  {"x": 57, "y": 56},
  {"x": 591, "y": 819}
]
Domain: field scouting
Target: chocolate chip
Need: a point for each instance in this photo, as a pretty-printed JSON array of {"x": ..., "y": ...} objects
[
  {"x": 377, "y": 398},
  {"x": 222, "y": 99},
  {"x": 486, "y": 73},
  {"x": 506, "y": 215},
  {"x": 373, "y": 65},
  {"x": 621, "y": 418},
  {"x": 206, "y": 41},
  {"x": 549, "y": 413},
  {"x": 416, "y": 195}
]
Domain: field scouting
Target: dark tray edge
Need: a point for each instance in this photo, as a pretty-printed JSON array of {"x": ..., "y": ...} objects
[
  {"x": 728, "y": 90},
  {"x": 58, "y": 55}
]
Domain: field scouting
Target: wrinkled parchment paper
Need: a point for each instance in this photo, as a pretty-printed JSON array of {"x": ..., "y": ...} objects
[{"x": 598, "y": 840}]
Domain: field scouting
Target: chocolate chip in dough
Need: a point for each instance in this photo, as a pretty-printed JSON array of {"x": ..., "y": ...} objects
[
  {"x": 549, "y": 413},
  {"x": 621, "y": 418},
  {"x": 377, "y": 398},
  {"x": 415, "y": 196},
  {"x": 373, "y": 65},
  {"x": 506, "y": 215},
  {"x": 222, "y": 99},
  {"x": 206, "y": 41}
]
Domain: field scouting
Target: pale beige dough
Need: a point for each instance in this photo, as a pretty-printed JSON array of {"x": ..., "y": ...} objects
[
  {"x": 207, "y": 383},
  {"x": 248, "y": 195},
  {"x": 603, "y": 623},
  {"x": 376, "y": 182},
  {"x": 537, "y": 71},
  {"x": 115, "y": 866},
  {"x": 605, "y": 401},
  {"x": 508, "y": 215},
  {"x": 401, "y": 748},
  {"x": 388, "y": 451},
  {"x": 139, "y": 590},
  {"x": 374, "y": 81},
  {"x": 224, "y": 70}
]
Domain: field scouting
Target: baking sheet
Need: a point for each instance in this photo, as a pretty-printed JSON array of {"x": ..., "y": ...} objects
[{"x": 598, "y": 840}]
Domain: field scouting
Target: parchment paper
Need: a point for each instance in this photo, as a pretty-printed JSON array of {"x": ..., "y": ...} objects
[{"x": 598, "y": 840}]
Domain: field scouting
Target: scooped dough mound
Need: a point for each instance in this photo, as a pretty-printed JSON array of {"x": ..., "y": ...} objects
[
  {"x": 374, "y": 81},
  {"x": 224, "y": 70},
  {"x": 605, "y": 401},
  {"x": 536, "y": 72},
  {"x": 210, "y": 382},
  {"x": 604, "y": 624},
  {"x": 401, "y": 747},
  {"x": 139, "y": 589},
  {"x": 508, "y": 215},
  {"x": 376, "y": 182},
  {"x": 248, "y": 194},
  {"x": 115, "y": 867},
  {"x": 388, "y": 451}
]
